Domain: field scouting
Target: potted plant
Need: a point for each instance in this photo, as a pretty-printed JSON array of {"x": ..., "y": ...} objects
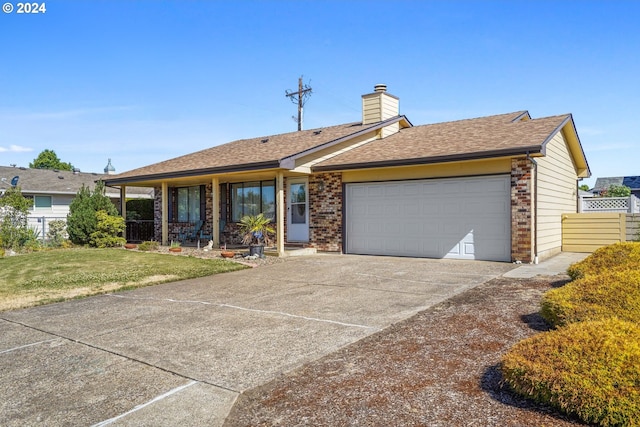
[
  {"x": 175, "y": 247},
  {"x": 256, "y": 230}
]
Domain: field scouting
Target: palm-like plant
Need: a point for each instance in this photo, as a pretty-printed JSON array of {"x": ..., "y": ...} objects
[{"x": 256, "y": 229}]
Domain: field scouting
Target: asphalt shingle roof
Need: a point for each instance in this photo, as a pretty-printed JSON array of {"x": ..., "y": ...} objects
[
  {"x": 47, "y": 181},
  {"x": 504, "y": 134},
  {"x": 248, "y": 152},
  {"x": 471, "y": 138}
]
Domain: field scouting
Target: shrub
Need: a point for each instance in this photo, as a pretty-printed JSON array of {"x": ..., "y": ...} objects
[
  {"x": 149, "y": 245},
  {"x": 57, "y": 232},
  {"x": 108, "y": 231},
  {"x": 614, "y": 294},
  {"x": 82, "y": 219},
  {"x": 618, "y": 255},
  {"x": 14, "y": 208},
  {"x": 587, "y": 369}
]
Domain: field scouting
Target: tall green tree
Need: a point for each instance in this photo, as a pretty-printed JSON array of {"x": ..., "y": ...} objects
[
  {"x": 82, "y": 219},
  {"x": 48, "y": 159},
  {"x": 14, "y": 210}
]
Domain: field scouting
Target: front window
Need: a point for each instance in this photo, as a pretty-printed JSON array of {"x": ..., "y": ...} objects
[
  {"x": 188, "y": 204},
  {"x": 252, "y": 198}
]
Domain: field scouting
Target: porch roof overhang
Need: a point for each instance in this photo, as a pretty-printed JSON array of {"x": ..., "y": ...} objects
[{"x": 191, "y": 173}]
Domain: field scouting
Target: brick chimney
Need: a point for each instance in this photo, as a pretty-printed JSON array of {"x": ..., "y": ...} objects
[{"x": 379, "y": 105}]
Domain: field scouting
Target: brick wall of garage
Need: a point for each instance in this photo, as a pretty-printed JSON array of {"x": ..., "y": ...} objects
[
  {"x": 521, "y": 210},
  {"x": 325, "y": 212}
]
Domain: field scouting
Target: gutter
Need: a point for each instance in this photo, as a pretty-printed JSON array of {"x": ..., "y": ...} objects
[
  {"x": 535, "y": 208},
  {"x": 193, "y": 172},
  {"x": 429, "y": 160}
]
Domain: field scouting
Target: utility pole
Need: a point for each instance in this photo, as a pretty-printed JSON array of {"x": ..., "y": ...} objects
[{"x": 299, "y": 97}]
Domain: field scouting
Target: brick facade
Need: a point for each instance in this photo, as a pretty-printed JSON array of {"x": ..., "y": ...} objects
[
  {"x": 175, "y": 227},
  {"x": 325, "y": 212},
  {"x": 522, "y": 210}
]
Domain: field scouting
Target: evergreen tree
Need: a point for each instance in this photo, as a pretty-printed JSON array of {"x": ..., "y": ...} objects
[{"x": 82, "y": 220}]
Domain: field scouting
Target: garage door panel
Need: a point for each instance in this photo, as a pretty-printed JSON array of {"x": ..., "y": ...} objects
[{"x": 465, "y": 218}]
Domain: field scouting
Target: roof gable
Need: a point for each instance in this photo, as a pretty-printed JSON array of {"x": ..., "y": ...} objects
[{"x": 500, "y": 135}]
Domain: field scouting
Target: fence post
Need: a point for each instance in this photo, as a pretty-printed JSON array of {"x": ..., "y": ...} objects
[{"x": 44, "y": 228}]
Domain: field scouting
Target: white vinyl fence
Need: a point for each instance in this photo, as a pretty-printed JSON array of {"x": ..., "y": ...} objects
[
  {"x": 629, "y": 204},
  {"x": 41, "y": 224}
]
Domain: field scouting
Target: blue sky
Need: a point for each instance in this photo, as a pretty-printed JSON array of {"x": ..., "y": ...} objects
[{"x": 144, "y": 81}]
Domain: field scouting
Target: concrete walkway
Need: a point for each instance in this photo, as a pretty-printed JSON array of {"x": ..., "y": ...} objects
[
  {"x": 181, "y": 353},
  {"x": 550, "y": 267}
]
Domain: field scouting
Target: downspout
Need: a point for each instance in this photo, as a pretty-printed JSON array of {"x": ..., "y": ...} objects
[{"x": 535, "y": 208}]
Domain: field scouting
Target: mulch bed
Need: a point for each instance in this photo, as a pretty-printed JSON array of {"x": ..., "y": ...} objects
[{"x": 438, "y": 368}]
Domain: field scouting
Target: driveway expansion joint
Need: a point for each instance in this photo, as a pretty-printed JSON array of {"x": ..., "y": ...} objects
[
  {"x": 255, "y": 310},
  {"x": 115, "y": 353}
]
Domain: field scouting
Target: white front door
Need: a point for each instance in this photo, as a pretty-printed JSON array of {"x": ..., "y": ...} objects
[{"x": 298, "y": 210}]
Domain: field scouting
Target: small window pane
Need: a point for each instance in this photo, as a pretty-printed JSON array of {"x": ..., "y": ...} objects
[
  {"x": 42, "y": 201},
  {"x": 236, "y": 202},
  {"x": 252, "y": 198},
  {"x": 269, "y": 199},
  {"x": 194, "y": 204},
  {"x": 183, "y": 204}
]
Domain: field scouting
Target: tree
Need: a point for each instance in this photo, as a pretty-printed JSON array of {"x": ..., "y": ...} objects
[
  {"x": 584, "y": 187},
  {"x": 48, "y": 159},
  {"x": 14, "y": 209},
  {"x": 82, "y": 220},
  {"x": 616, "y": 191}
]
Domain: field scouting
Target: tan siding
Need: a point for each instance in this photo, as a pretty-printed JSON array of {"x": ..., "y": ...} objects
[
  {"x": 371, "y": 110},
  {"x": 389, "y": 107},
  {"x": 556, "y": 194},
  {"x": 390, "y": 130},
  {"x": 586, "y": 232},
  {"x": 443, "y": 170}
]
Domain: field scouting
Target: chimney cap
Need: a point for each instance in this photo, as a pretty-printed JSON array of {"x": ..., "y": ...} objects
[{"x": 380, "y": 87}]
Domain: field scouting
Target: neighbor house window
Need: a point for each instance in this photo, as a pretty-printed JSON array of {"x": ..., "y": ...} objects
[
  {"x": 42, "y": 201},
  {"x": 187, "y": 204},
  {"x": 252, "y": 198}
]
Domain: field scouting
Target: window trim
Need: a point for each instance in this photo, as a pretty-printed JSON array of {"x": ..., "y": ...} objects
[{"x": 272, "y": 183}]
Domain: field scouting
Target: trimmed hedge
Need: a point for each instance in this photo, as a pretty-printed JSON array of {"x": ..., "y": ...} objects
[
  {"x": 588, "y": 369},
  {"x": 593, "y": 297},
  {"x": 619, "y": 255}
]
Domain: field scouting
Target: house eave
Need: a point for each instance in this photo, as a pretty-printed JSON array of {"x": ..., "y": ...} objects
[
  {"x": 431, "y": 160},
  {"x": 271, "y": 164}
]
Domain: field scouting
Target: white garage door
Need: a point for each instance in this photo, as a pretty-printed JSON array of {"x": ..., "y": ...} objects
[{"x": 464, "y": 218}]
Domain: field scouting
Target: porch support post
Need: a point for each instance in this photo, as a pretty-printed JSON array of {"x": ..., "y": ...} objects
[
  {"x": 215, "y": 211},
  {"x": 123, "y": 202},
  {"x": 165, "y": 213},
  {"x": 280, "y": 213}
]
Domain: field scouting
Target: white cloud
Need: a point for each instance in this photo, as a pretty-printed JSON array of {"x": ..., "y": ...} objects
[{"x": 15, "y": 149}]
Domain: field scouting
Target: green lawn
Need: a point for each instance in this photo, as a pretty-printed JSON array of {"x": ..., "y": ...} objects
[{"x": 48, "y": 276}]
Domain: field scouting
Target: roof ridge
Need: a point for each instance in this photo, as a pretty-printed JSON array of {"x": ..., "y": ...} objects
[{"x": 513, "y": 114}]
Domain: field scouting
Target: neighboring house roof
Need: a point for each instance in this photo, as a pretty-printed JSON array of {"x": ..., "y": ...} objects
[
  {"x": 633, "y": 182},
  {"x": 493, "y": 136},
  {"x": 484, "y": 137},
  {"x": 51, "y": 182}
]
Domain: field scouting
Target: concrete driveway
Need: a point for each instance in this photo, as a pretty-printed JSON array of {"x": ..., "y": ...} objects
[{"x": 180, "y": 353}]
